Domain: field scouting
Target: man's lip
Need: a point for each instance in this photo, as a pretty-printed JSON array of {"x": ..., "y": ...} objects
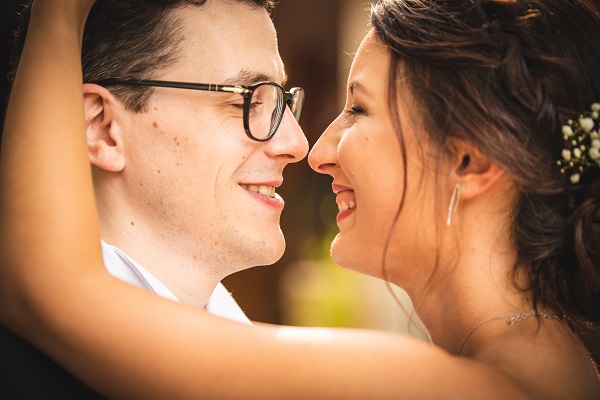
[
  {"x": 273, "y": 199},
  {"x": 339, "y": 188},
  {"x": 275, "y": 184}
]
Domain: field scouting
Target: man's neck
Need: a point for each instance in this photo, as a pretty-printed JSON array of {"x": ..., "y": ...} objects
[{"x": 190, "y": 276}]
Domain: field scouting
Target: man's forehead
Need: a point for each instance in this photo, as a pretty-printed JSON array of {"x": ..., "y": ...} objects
[
  {"x": 249, "y": 77},
  {"x": 238, "y": 47}
]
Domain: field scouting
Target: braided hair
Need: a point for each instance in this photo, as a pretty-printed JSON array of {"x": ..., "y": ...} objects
[{"x": 506, "y": 75}]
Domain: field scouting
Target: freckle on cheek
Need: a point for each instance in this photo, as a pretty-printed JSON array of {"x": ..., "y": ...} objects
[
  {"x": 158, "y": 170},
  {"x": 132, "y": 223},
  {"x": 155, "y": 124}
]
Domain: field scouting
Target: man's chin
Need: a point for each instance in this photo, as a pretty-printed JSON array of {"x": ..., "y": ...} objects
[{"x": 272, "y": 251}]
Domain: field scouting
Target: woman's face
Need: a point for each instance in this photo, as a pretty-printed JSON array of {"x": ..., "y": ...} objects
[{"x": 361, "y": 151}]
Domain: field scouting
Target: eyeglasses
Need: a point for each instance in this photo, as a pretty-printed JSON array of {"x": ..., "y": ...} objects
[{"x": 263, "y": 108}]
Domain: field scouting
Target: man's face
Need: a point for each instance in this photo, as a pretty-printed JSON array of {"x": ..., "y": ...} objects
[{"x": 192, "y": 175}]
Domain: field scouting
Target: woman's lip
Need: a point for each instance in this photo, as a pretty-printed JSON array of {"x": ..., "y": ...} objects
[
  {"x": 343, "y": 214},
  {"x": 339, "y": 188},
  {"x": 344, "y": 196}
]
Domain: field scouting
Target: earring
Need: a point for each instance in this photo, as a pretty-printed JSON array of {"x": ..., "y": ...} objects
[{"x": 454, "y": 201}]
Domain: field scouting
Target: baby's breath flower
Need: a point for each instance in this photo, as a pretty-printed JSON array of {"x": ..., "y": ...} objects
[
  {"x": 587, "y": 124},
  {"x": 582, "y": 144},
  {"x": 575, "y": 178}
]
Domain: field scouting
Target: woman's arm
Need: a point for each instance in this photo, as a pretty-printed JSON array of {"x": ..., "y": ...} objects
[
  {"x": 47, "y": 202},
  {"x": 124, "y": 341}
]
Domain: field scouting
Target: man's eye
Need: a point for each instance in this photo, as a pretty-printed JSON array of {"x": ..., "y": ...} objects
[{"x": 253, "y": 106}]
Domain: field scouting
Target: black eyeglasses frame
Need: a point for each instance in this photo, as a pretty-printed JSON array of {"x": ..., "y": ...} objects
[{"x": 293, "y": 99}]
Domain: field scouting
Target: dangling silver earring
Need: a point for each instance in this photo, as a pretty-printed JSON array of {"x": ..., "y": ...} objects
[{"x": 454, "y": 201}]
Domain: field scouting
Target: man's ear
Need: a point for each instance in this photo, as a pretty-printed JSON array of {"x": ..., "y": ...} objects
[
  {"x": 103, "y": 135},
  {"x": 475, "y": 172}
]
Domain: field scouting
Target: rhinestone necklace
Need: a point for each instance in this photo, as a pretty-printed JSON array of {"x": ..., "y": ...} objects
[{"x": 510, "y": 320}]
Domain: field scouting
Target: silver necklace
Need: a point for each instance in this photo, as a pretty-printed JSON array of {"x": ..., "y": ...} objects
[{"x": 510, "y": 320}]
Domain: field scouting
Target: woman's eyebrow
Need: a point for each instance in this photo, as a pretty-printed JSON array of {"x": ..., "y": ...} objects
[{"x": 356, "y": 85}]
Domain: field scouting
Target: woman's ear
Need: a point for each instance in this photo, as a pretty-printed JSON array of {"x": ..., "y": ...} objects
[
  {"x": 475, "y": 172},
  {"x": 105, "y": 146}
]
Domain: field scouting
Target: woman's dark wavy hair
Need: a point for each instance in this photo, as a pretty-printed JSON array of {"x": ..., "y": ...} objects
[
  {"x": 505, "y": 75},
  {"x": 128, "y": 39}
]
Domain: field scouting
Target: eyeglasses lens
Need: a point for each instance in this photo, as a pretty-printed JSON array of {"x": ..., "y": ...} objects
[{"x": 266, "y": 109}]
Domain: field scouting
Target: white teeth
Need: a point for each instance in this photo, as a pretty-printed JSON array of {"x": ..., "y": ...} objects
[
  {"x": 262, "y": 189},
  {"x": 266, "y": 190},
  {"x": 343, "y": 206}
]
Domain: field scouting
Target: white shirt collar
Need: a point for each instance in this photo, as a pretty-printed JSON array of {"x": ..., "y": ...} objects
[{"x": 121, "y": 266}]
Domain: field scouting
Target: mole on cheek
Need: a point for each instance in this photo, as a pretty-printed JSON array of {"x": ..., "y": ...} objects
[{"x": 155, "y": 124}]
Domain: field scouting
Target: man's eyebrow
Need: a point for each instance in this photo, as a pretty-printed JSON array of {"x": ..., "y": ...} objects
[{"x": 248, "y": 77}]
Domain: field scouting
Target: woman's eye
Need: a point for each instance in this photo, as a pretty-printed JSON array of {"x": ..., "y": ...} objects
[{"x": 355, "y": 111}]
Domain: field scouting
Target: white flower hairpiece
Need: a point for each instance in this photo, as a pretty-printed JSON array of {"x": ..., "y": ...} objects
[{"x": 582, "y": 144}]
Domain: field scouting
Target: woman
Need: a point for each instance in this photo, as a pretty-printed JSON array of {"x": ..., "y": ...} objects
[{"x": 444, "y": 162}]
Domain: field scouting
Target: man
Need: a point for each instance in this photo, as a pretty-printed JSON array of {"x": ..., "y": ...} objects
[
  {"x": 186, "y": 175},
  {"x": 181, "y": 187}
]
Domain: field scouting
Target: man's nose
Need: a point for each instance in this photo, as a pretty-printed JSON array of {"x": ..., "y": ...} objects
[{"x": 289, "y": 141}]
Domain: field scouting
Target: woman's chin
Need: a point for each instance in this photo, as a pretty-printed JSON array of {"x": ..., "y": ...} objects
[{"x": 352, "y": 257}]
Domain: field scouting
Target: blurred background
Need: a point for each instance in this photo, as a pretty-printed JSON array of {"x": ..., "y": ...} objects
[{"x": 317, "y": 40}]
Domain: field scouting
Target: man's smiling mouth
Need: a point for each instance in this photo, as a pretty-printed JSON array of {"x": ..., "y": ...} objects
[{"x": 262, "y": 189}]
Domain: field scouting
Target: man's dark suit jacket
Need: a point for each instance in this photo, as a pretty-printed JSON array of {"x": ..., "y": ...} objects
[{"x": 27, "y": 373}]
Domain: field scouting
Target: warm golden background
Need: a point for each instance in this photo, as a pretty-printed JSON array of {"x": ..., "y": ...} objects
[{"x": 317, "y": 39}]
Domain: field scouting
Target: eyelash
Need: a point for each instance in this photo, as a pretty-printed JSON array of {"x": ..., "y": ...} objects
[
  {"x": 355, "y": 111},
  {"x": 252, "y": 105}
]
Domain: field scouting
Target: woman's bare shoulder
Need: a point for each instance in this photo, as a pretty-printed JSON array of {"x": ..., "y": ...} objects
[{"x": 547, "y": 360}]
